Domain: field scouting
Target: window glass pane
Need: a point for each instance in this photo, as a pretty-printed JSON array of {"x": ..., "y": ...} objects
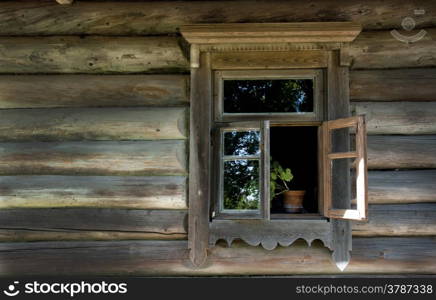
[
  {"x": 264, "y": 96},
  {"x": 343, "y": 196},
  {"x": 342, "y": 141},
  {"x": 241, "y": 184},
  {"x": 241, "y": 142}
]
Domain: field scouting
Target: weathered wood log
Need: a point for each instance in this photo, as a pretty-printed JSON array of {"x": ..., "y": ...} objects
[
  {"x": 380, "y": 50},
  {"x": 371, "y": 50},
  {"x": 69, "y": 224},
  {"x": 29, "y": 91},
  {"x": 91, "y": 55},
  {"x": 398, "y": 220},
  {"x": 402, "y": 152},
  {"x": 94, "y": 158},
  {"x": 39, "y": 91},
  {"x": 393, "y": 85},
  {"x": 141, "y": 192},
  {"x": 92, "y": 222},
  {"x": 402, "y": 186},
  {"x": 398, "y": 118},
  {"x": 65, "y": 2},
  {"x": 23, "y": 235},
  {"x": 63, "y": 124},
  {"x": 110, "y": 18},
  {"x": 369, "y": 256},
  {"x": 169, "y": 192}
]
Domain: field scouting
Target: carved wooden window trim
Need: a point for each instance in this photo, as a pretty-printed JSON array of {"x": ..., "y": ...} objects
[{"x": 222, "y": 47}]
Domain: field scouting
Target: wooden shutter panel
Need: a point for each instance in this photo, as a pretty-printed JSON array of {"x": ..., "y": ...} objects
[{"x": 360, "y": 164}]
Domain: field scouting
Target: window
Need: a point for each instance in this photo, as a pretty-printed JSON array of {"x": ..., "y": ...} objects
[
  {"x": 246, "y": 151},
  {"x": 270, "y": 113},
  {"x": 286, "y": 99},
  {"x": 241, "y": 171},
  {"x": 262, "y": 94}
]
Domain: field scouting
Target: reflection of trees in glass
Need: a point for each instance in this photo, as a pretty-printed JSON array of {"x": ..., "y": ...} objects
[
  {"x": 257, "y": 96},
  {"x": 241, "y": 184},
  {"x": 241, "y": 142}
]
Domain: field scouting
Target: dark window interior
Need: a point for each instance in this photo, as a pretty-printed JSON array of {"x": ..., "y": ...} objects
[
  {"x": 296, "y": 147},
  {"x": 268, "y": 96}
]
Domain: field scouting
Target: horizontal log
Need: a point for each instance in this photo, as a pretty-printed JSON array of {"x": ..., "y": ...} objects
[
  {"x": 94, "y": 158},
  {"x": 170, "y": 192},
  {"x": 402, "y": 186},
  {"x": 141, "y": 192},
  {"x": 23, "y": 235},
  {"x": 65, "y": 2},
  {"x": 39, "y": 91},
  {"x": 398, "y": 118},
  {"x": 90, "y": 223},
  {"x": 65, "y": 124},
  {"x": 369, "y": 256},
  {"x": 402, "y": 152},
  {"x": 380, "y": 50},
  {"x": 398, "y": 220},
  {"x": 45, "y": 17},
  {"x": 91, "y": 55},
  {"x": 371, "y": 50},
  {"x": 393, "y": 85},
  {"x": 70, "y": 224}
]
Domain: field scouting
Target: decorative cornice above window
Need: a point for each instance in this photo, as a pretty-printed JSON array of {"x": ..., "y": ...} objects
[
  {"x": 267, "y": 36},
  {"x": 308, "y": 32}
]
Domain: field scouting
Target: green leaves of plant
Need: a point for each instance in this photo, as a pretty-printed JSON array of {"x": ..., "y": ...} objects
[
  {"x": 279, "y": 173},
  {"x": 272, "y": 187},
  {"x": 287, "y": 175},
  {"x": 273, "y": 176}
]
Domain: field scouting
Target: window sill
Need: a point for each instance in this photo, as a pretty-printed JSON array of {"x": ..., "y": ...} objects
[{"x": 309, "y": 216}]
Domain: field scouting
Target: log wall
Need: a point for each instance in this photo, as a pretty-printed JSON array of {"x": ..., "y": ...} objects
[
  {"x": 395, "y": 255},
  {"x": 165, "y": 17},
  {"x": 94, "y": 112}
]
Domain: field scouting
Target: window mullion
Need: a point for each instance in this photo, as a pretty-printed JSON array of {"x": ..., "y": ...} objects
[
  {"x": 241, "y": 157},
  {"x": 265, "y": 169}
]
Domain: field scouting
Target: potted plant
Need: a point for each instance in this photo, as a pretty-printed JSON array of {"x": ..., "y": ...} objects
[{"x": 280, "y": 181}]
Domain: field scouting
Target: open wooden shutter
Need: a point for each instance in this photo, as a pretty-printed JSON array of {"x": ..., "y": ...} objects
[{"x": 351, "y": 161}]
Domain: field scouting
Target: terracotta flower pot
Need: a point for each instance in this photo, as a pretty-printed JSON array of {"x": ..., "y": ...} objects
[{"x": 293, "y": 201}]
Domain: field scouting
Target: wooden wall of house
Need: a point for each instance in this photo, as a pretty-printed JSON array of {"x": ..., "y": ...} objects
[{"x": 94, "y": 101}]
